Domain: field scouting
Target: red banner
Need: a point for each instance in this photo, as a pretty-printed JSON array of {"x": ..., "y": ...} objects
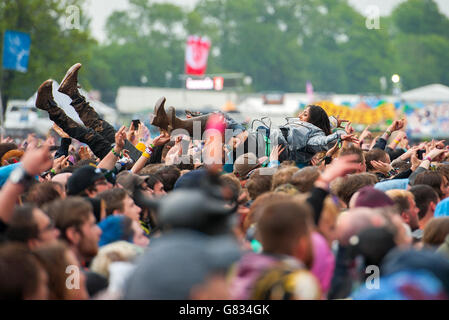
[{"x": 197, "y": 52}]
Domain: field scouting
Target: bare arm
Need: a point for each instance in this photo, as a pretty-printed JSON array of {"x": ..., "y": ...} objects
[
  {"x": 34, "y": 162},
  {"x": 142, "y": 161},
  {"x": 8, "y": 198},
  {"x": 393, "y": 144},
  {"x": 109, "y": 161}
]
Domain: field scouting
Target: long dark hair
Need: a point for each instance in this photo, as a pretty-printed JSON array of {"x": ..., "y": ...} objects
[{"x": 318, "y": 117}]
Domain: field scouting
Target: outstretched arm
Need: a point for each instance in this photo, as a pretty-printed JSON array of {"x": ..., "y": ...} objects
[
  {"x": 111, "y": 158},
  {"x": 158, "y": 141},
  {"x": 34, "y": 162},
  {"x": 338, "y": 168},
  {"x": 395, "y": 126}
]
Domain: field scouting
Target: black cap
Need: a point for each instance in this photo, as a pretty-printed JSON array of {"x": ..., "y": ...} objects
[
  {"x": 196, "y": 210},
  {"x": 82, "y": 178},
  {"x": 177, "y": 262}
]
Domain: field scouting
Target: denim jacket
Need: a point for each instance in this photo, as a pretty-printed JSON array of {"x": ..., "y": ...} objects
[{"x": 304, "y": 140}]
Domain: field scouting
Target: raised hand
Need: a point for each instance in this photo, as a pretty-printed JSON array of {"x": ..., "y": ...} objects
[
  {"x": 60, "y": 163},
  {"x": 397, "y": 125},
  {"x": 175, "y": 152},
  {"x": 162, "y": 139},
  {"x": 7, "y": 140},
  {"x": 120, "y": 137},
  {"x": 332, "y": 151},
  {"x": 415, "y": 161},
  {"x": 37, "y": 160},
  {"x": 31, "y": 142},
  {"x": 365, "y": 134},
  {"x": 381, "y": 166},
  {"x": 373, "y": 143},
  {"x": 401, "y": 135},
  {"x": 140, "y": 133},
  {"x": 131, "y": 134},
  {"x": 349, "y": 129},
  {"x": 350, "y": 138},
  {"x": 340, "y": 167},
  {"x": 276, "y": 152},
  {"x": 435, "y": 153},
  {"x": 440, "y": 144},
  {"x": 84, "y": 153},
  {"x": 409, "y": 153},
  {"x": 340, "y": 121}
]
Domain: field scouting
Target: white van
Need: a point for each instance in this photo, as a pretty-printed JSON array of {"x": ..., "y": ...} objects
[{"x": 22, "y": 117}]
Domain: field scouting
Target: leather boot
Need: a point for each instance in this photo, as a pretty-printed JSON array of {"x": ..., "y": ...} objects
[
  {"x": 159, "y": 118},
  {"x": 45, "y": 101},
  {"x": 44, "y": 95},
  {"x": 69, "y": 85},
  {"x": 187, "y": 124}
]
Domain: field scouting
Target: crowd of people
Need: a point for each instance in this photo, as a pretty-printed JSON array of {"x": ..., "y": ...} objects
[
  {"x": 429, "y": 120},
  {"x": 211, "y": 209}
]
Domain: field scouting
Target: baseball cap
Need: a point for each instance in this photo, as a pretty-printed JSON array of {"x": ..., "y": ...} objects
[
  {"x": 195, "y": 209},
  {"x": 82, "y": 178},
  {"x": 130, "y": 181}
]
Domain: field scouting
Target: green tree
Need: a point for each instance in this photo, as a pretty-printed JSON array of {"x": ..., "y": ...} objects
[
  {"x": 420, "y": 17},
  {"x": 421, "y": 59},
  {"x": 421, "y": 43},
  {"x": 144, "y": 42},
  {"x": 280, "y": 44},
  {"x": 54, "y": 48}
]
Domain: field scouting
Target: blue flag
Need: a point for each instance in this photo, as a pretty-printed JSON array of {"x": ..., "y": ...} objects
[{"x": 16, "y": 50}]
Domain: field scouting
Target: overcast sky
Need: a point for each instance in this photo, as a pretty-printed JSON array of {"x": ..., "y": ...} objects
[{"x": 99, "y": 10}]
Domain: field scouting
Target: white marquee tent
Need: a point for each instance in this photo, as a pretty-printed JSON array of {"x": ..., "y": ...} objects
[{"x": 432, "y": 93}]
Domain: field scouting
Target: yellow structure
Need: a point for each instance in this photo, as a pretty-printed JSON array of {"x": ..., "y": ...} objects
[{"x": 385, "y": 111}]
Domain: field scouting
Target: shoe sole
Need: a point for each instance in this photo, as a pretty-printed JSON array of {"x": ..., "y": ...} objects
[
  {"x": 46, "y": 84},
  {"x": 69, "y": 73}
]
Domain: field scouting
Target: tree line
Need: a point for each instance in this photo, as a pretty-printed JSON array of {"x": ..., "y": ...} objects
[{"x": 279, "y": 44}]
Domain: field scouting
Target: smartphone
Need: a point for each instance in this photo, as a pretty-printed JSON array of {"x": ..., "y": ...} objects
[
  {"x": 136, "y": 123},
  {"x": 420, "y": 154}
]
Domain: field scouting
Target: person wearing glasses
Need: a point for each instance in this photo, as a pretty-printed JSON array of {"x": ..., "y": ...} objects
[{"x": 31, "y": 226}]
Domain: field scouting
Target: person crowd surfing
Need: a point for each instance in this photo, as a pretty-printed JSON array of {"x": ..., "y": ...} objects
[{"x": 211, "y": 209}]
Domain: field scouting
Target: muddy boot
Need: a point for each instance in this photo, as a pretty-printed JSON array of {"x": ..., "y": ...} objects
[
  {"x": 69, "y": 85},
  {"x": 44, "y": 95},
  {"x": 159, "y": 118},
  {"x": 187, "y": 124},
  {"x": 45, "y": 101}
]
